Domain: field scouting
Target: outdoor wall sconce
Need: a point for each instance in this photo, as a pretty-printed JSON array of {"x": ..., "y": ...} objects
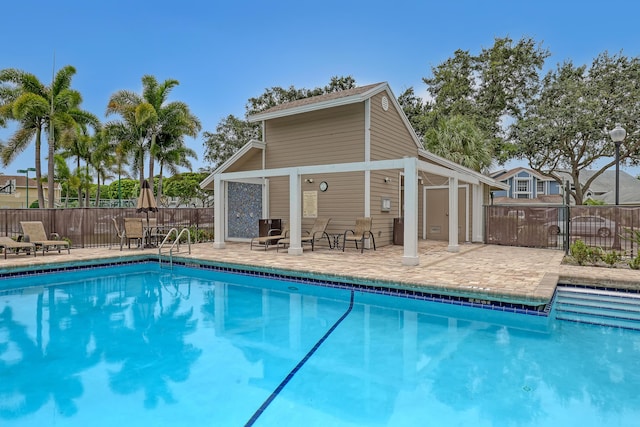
[
  {"x": 387, "y": 179},
  {"x": 309, "y": 180}
]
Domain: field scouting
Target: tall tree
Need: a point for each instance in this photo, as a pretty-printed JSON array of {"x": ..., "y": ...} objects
[
  {"x": 565, "y": 127},
  {"x": 37, "y": 107},
  {"x": 415, "y": 109},
  {"x": 230, "y": 135},
  {"x": 173, "y": 155},
  {"x": 491, "y": 89},
  {"x": 102, "y": 161},
  {"x": 130, "y": 133},
  {"x": 458, "y": 139},
  {"x": 150, "y": 115}
]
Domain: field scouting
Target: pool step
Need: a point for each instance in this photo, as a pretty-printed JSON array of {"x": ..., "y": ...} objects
[{"x": 599, "y": 307}]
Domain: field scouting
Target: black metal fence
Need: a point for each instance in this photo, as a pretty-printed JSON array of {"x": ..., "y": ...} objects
[
  {"x": 93, "y": 227},
  {"x": 606, "y": 227}
]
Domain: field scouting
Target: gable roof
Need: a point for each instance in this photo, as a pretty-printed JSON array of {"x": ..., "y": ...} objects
[
  {"x": 319, "y": 102},
  {"x": 506, "y": 174},
  {"x": 352, "y": 96},
  {"x": 335, "y": 99},
  {"x": 245, "y": 150},
  {"x": 603, "y": 187}
]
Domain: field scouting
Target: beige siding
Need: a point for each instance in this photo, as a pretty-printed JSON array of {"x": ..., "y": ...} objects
[
  {"x": 390, "y": 138},
  {"x": 334, "y": 135},
  {"x": 251, "y": 161},
  {"x": 382, "y": 221},
  {"x": 342, "y": 202}
]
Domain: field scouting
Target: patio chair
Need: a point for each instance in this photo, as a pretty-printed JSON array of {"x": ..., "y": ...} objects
[
  {"x": 362, "y": 232},
  {"x": 119, "y": 233},
  {"x": 133, "y": 230},
  {"x": 33, "y": 232},
  {"x": 318, "y": 231},
  {"x": 8, "y": 244},
  {"x": 275, "y": 234},
  {"x": 155, "y": 232}
]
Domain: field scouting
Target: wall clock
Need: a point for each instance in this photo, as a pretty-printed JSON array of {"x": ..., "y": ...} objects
[{"x": 324, "y": 186}]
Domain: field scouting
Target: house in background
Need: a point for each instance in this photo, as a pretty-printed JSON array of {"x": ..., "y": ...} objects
[
  {"x": 14, "y": 192},
  {"x": 526, "y": 186},
  {"x": 345, "y": 155},
  {"x": 603, "y": 188},
  {"x": 529, "y": 186}
]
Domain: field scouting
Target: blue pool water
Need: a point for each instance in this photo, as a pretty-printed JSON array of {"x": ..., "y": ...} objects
[{"x": 138, "y": 346}]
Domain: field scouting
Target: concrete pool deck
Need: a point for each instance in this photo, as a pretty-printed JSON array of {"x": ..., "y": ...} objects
[{"x": 522, "y": 275}]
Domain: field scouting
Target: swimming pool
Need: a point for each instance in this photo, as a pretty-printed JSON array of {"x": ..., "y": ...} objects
[{"x": 139, "y": 345}]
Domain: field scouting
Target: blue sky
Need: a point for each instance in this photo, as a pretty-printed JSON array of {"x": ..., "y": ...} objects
[{"x": 223, "y": 53}]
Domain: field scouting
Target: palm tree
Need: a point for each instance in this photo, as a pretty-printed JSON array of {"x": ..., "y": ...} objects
[
  {"x": 37, "y": 107},
  {"x": 173, "y": 154},
  {"x": 146, "y": 117},
  {"x": 102, "y": 160},
  {"x": 24, "y": 99},
  {"x": 131, "y": 132},
  {"x": 458, "y": 139},
  {"x": 78, "y": 145}
]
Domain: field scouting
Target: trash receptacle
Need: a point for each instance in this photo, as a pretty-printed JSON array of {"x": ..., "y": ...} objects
[
  {"x": 398, "y": 231},
  {"x": 264, "y": 225}
]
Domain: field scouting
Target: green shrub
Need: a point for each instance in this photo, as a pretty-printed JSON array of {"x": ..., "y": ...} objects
[
  {"x": 632, "y": 235},
  {"x": 611, "y": 258},
  {"x": 635, "y": 263},
  {"x": 583, "y": 253}
]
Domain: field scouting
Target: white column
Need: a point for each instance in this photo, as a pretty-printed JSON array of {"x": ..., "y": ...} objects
[
  {"x": 453, "y": 215},
  {"x": 367, "y": 159},
  {"x": 218, "y": 213},
  {"x": 478, "y": 214},
  {"x": 410, "y": 212},
  {"x": 295, "y": 213}
]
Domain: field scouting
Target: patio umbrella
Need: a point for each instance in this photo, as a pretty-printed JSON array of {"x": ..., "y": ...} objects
[{"x": 146, "y": 201}]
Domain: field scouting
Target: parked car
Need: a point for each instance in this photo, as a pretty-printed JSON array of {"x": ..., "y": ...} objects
[{"x": 584, "y": 225}]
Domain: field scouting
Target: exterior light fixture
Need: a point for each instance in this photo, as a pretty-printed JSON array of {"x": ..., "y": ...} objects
[
  {"x": 617, "y": 136},
  {"x": 26, "y": 172}
]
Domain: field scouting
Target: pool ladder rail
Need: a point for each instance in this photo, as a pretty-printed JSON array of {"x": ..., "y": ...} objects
[{"x": 174, "y": 243}]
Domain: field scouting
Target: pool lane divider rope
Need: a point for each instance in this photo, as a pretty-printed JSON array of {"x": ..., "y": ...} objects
[{"x": 289, "y": 377}]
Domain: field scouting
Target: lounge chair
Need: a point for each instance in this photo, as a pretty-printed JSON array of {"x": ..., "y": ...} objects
[
  {"x": 362, "y": 232},
  {"x": 275, "y": 234},
  {"x": 318, "y": 231},
  {"x": 8, "y": 244},
  {"x": 119, "y": 233},
  {"x": 33, "y": 232},
  {"x": 133, "y": 230}
]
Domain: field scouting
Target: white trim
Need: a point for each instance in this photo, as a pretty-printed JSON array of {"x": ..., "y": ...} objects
[
  {"x": 463, "y": 170},
  {"x": 367, "y": 157},
  {"x": 477, "y": 196},
  {"x": 454, "y": 246},
  {"x": 467, "y": 230},
  {"x": 516, "y": 190},
  {"x": 410, "y": 166},
  {"x": 315, "y": 106},
  {"x": 449, "y": 173},
  {"x": 265, "y": 199},
  {"x": 231, "y": 160}
]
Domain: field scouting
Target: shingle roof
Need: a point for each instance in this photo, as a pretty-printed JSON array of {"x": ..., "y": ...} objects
[{"x": 320, "y": 99}]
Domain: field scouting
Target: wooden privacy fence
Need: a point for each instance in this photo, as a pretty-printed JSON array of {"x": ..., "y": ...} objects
[
  {"x": 542, "y": 226},
  {"x": 93, "y": 227}
]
